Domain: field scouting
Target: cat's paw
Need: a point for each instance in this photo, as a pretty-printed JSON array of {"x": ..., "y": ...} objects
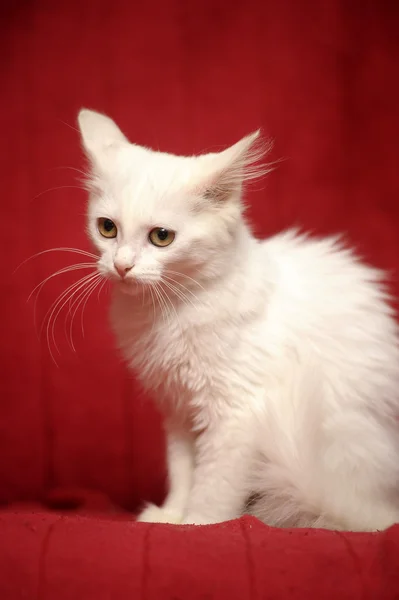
[
  {"x": 155, "y": 514},
  {"x": 196, "y": 519}
]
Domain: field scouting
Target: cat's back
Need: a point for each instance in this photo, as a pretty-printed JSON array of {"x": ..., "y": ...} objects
[
  {"x": 329, "y": 303},
  {"x": 318, "y": 278}
]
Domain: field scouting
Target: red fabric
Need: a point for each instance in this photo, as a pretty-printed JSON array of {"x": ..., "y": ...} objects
[
  {"x": 321, "y": 79},
  {"x": 53, "y": 557}
]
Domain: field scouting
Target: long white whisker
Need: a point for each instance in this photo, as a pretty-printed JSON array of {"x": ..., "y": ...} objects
[
  {"x": 163, "y": 307},
  {"x": 59, "y": 272},
  {"x": 74, "y": 301},
  {"x": 55, "y": 313},
  {"x": 184, "y": 287},
  {"x": 61, "y": 249},
  {"x": 40, "y": 285},
  {"x": 142, "y": 296},
  {"x": 153, "y": 309},
  {"x": 62, "y": 295},
  {"x": 100, "y": 285},
  {"x": 71, "y": 290},
  {"x": 82, "y": 298},
  {"x": 169, "y": 301},
  {"x": 101, "y": 289},
  {"x": 172, "y": 305},
  {"x": 54, "y": 189},
  {"x": 176, "y": 292},
  {"x": 71, "y": 169},
  {"x": 171, "y": 282},
  {"x": 186, "y": 277}
]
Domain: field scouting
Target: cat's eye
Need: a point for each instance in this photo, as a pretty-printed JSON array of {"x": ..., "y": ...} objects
[
  {"x": 161, "y": 237},
  {"x": 107, "y": 228}
]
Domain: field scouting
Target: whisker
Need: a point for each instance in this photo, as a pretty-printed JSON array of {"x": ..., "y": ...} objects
[
  {"x": 172, "y": 305},
  {"x": 82, "y": 298},
  {"x": 180, "y": 296},
  {"x": 69, "y": 125},
  {"x": 40, "y": 285},
  {"x": 186, "y": 276},
  {"x": 61, "y": 249},
  {"x": 175, "y": 291},
  {"x": 168, "y": 299},
  {"x": 73, "y": 304},
  {"x": 73, "y": 300},
  {"x": 100, "y": 285},
  {"x": 67, "y": 269},
  {"x": 54, "y": 189},
  {"x": 59, "y": 304},
  {"x": 101, "y": 289},
  {"x": 142, "y": 296},
  {"x": 71, "y": 169},
  {"x": 153, "y": 309},
  {"x": 95, "y": 276},
  {"x": 164, "y": 311},
  {"x": 173, "y": 283},
  {"x": 62, "y": 295}
]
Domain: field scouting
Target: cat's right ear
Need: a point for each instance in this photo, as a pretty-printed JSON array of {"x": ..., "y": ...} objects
[{"x": 100, "y": 135}]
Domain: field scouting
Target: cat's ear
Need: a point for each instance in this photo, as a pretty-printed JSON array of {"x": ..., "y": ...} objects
[
  {"x": 99, "y": 134},
  {"x": 230, "y": 169}
]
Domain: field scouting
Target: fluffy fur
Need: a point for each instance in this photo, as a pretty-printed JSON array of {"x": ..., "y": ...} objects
[{"x": 275, "y": 362}]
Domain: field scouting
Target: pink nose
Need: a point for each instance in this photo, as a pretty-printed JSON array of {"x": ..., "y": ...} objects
[{"x": 122, "y": 270}]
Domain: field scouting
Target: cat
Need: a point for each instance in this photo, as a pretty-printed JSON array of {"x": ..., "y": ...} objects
[{"x": 275, "y": 362}]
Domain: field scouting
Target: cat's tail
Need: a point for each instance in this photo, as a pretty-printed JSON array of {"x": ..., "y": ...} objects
[{"x": 318, "y": 469}]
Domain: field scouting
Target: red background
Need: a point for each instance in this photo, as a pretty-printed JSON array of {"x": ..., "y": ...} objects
[
  {"x": 321, "y": 78},
  {"x": 184, "y": 76}
]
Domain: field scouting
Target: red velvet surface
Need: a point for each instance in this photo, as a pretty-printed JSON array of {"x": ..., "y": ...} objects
[
  {"x": 321, "y": 79},
  {"x": 58, "y": 558}
]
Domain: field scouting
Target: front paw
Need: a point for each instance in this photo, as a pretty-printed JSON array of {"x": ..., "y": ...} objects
[
  {"x": 155, "y": 514},
  {"x": 196, "y": 519}
]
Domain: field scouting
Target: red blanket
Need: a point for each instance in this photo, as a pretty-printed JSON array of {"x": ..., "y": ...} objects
[
  {"x": 318, "y": 77},
  {"x": 59, "y": 558}
]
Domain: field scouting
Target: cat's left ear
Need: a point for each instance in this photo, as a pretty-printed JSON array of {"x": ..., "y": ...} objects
[
  {"x": 228, "y": 170},
  {"x": 100, "y": 135}
]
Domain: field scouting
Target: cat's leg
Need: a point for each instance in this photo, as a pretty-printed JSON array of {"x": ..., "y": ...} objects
[
  {"x": 346, "y": 480},
  {"x": 180, "y": 462},
  {"x": 220, "y": 487}
]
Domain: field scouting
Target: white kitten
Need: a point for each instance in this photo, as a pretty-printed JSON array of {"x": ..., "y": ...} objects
[{"x": 275, "y": 362}]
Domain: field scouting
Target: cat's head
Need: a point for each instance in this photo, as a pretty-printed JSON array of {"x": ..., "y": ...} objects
[{"x": 154, "y": 215}]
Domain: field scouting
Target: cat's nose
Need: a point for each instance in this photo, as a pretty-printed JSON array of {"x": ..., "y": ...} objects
[{"x": 122, "y": 269}]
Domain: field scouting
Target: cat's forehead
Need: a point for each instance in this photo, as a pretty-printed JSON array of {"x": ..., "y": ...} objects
[
  {"x": 147, "y": 186},
  {"x": 141, "y": 167}
]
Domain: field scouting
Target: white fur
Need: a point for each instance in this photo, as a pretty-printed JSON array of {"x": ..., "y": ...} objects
[{"x": 276, "y": 362}]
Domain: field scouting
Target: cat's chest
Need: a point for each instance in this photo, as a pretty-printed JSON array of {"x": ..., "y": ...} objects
[
  {"x": 198, "y": 373},
  {"x": 202, "y": 369},
  {"x": 197, "y": 366},
  {"x": 186, "y": 358}
]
